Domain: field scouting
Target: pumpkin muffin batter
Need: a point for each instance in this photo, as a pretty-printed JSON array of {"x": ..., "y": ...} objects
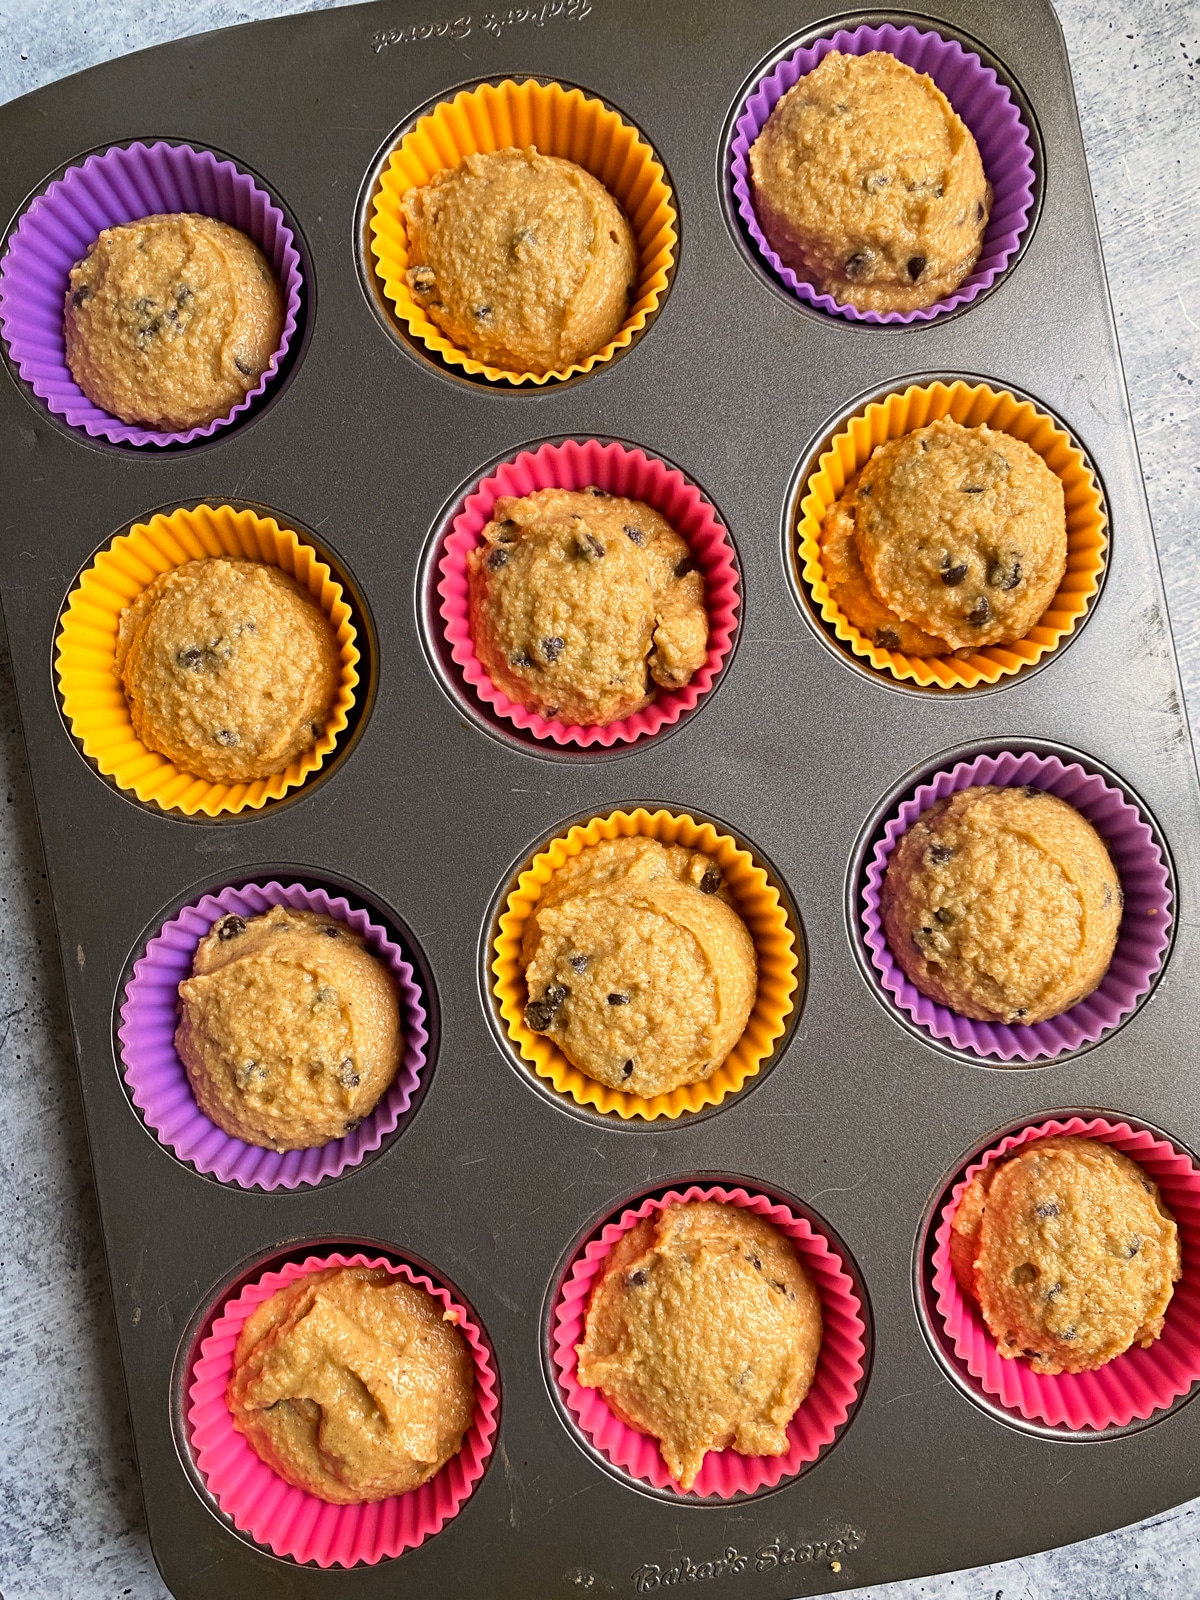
[
  {"x": 870, "y": 186},
  {"x": 704, "y": 1331},
  {"x": 352, "y": 1384},
  {"x": 289, "y": 1028},
  {"x": 962, "y": 532},
  {"x": 638, "y": 966},
  {"x": 524, "y": 261},
  {"x": 583, "y": 602},
  {"x": 171, "y": 320},
  {"x": 853, "y": 595},
  {"x": 230, "y": 669},
  {"x": 1069, "y": 1252},
  {"x": 1003, "y": 904}
]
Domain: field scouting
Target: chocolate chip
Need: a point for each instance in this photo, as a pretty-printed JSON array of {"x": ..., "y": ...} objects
[
  {"x": 1048, "y": 1208},
  {"x": 756, "y": 1263},
  {"x": 507, "y": 531},
  {"x": 636, "y": 534},
  {"x": 579, "y": 963},
  {"x": 1004, "y": 573},
  {"x": 1068, "y": 1333},
  {"x": 589, "y": 546},
  {"x": 482, "y": 313},
  {"x": 81, "y": 294},
  {"x": 521, "y": 659},
  {"x": 1135, "y": 1244},
  {"x": 887, "y": 639},
  {"x": 925, "y": 445},
  {"x": 915, "y": 266},
  {"x": 627, "y": 1070},
  {"x": 776, "y": 1284},
  {"x": 523, "y": 236},
  {"x": 635, "y": 1280},
  {"x": 972, "y": 488},
  {"x": 326, "y": 995},
  {"x": 191, "y": 657},
  {"x": 347, "y": 1076},
  {"x": 857, "y": 266},
  {"x": 980, "y": 612},
  {"x": 230, "y": 928},
  {"x": 246, "y": 372},
  {"x": 599, "y": 494},
  {"x": 496, "y": 560},
  {"x": 350, "y": 1124},
  {"x": 938, "y": 854},
  {"x": 316, "y": 729},
  {"x": 953, "y": 574},
  {"x": 1054, "y": 1290},
  {"x": 330, "y": 931},
  {"x": 978, "y": 211},
  {"x": 944, "y": 915},
  {"x": 872, "y": 182},
  {"x": 143, "y": 304},
  {"x": 182, "y": 294},
  {"x": 711, "y": 881},
  {"x": 421, "y": 280},
  {"x": 228, "y": 737},
  {"x": 1021, "y": 1011},
  {"x": 249, "y": 1072},
  {"x": 540, "y": 1015},
  {"x": 553, "y": 648},
  {"x": 618, "y": 999},
  {"x": 864, "y": 491},
  {"x": 687, "y": 565}
]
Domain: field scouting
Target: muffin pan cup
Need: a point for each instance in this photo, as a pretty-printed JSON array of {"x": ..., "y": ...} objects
[
  {"x": 289, "y": 1521},
  {"x": 60, "y": 226},
  {"x": 980, "y": 99},
  {"x": 431, "y": 807}
]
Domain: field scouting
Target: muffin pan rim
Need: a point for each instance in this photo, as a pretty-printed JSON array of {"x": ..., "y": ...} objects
[{"x": 925, "y": 1295}]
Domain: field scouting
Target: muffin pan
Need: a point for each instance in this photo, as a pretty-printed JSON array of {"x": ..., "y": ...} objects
[{"x": 493, "y": 1185}]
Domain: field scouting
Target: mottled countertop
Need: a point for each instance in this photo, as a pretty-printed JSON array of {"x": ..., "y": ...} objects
[{"x": 70, "y": 1511}]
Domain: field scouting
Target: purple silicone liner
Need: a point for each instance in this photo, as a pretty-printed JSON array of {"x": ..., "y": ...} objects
[
  {"x": 983, "y": 103},
  {"x": 60, "y": 226},
  {"x": 1142, "y": 939},
  {"x": 158, "y": 1082}
]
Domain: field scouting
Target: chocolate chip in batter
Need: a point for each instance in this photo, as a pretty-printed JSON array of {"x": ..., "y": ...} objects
[
  {"x": 599, "y": 494},
  {"x": 1067, "y": 1333},
  {"x": 1053, "y": 1291},
  {"x": 249, "y": 1072},
  {"x": 1135, "y": 1244},
  {"x": 482, "y": 313},
  {"x": 228, "y": 737},
  {"x": 972, "y": 488},
  {"x": 978, "y": 211},
  {"x": 618, "y": 999},
  {"x": 421, "y": 280},
  {"x": 552, "y": 649},
  {"x": 1048, "y": 1208},
  {"x": 191, "y": 657},
  {"x": 636, "y": 534},
  {"x": 980, "y": 612},
  {"x": 688, "y": 565},
  {"x": 496, "y": 559},
  {"x": 944, "y": 915},
  {"x": 347, "y": 1076},
  {"x": 627, "y": 1070},
  {"x": 755, "y": 1263},
  {"x": 230, "y": 928},
  {"x": 522, "y": 658},
  {"x": 887, "y": 639},
  {"x": 539, "y": 1014},
  {"x": 858, "y": 266},
  {"x": 507, "y": 531},
  {"x": 953, "y": 572},
  {"x": 938, "y": 854},
  {"x": 246, "y": 372},
  {"x": 590, "y": 546},
  {"x": 331, "y": 932},
  {"x": 81, "y": 294},
  {"x": 1004, "y": 572},
  {"x": 351, "y": 1123},
  {"x": 635, "y": 1280},
  {"x": 316, "y": 729},
  {"x": 711, "y": 881},
  {"x": 579, "y": 963},
  {"x": 872, "y": 182},
  {"x": 915, "y": 266},
  {"x": 1021, "y": 1011}
]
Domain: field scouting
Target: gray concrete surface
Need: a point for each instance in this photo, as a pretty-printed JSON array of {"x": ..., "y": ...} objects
[{"x": 70, "y": 1512}]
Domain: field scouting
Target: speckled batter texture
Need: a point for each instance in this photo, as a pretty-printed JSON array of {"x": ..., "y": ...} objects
[
  {"x": 1002, "y": 904},
  {"x": 638, "y": 966},
  {"x": 704, "y": 1331},
  {"x": 582, "y": 603},
  {"x": 962, "y": 532},
  {"x": 171, "y": 320},
  {"x": 869, "y": 185},
  {"x": 352, "y": 1384},
  {"x": 229, "y": 667},
  {"x": 289, "y": 1028},
  {"x": 851, "y": 591},
  {"x": 525, "y": 261},
  {"x": 1069, "y": 1251}
]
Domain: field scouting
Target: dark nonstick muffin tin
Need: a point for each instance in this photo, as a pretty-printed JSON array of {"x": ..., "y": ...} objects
[{"x": 491, "y": 1186}]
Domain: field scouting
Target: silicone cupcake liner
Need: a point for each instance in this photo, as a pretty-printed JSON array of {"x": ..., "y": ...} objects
[
  {"x": 290, "y": 1521},
  {"x": 756, "y": 900},
  {"x": 979, "y": 98},
  {"x": 1142, "y": 939},
  {"x": 578, "y": 464},
  {"x": 158, "y": 1082},
  {"x": 559, "y": 122},
  {"x": 62, "y": 224},
  {"x": 972, "y": 405},
  {"x": 1133, "y": 1386},
  {"x": 93, "y": 696},
  {"x": 725, "y": 1473}
]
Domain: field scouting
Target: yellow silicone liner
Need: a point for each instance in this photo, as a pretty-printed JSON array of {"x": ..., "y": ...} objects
[
  {"x": 93, "y": 696},
  {"x": 757, "y": 902},
  {"x": 558, "y": 122},
  {"x": 972, "y": 405}
]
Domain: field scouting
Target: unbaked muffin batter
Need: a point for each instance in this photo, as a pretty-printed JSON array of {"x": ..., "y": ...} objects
[
  {"x": 852, "y": 593},
  {"x": 524, "y": 261},
  {"x": 229, "y": 667},
  {"x": 869, "y": 185},
  {"x": 1003, "y": 904},
  {"x": 1069, "y": 1251},
  {"x": 962, "y": 532},
  {"x": 350, "y": 1383},
  {"x": 171, "y": 320},
  {"x": 583, "y": 602},
  {"x": 704, "y": 1331},
  {"x": 638, "y": 966},
  {"x": 289, "y": 1028}
]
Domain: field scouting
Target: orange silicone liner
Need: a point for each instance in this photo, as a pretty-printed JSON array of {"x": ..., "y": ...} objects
[
  {"x": 557, "y": 122},
  {"x": 93, "y": 696},
  {"x": 972, "y": 405},
  {"x": 756, "y": 900}
]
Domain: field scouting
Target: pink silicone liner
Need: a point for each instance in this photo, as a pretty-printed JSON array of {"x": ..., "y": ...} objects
[
  {"x": 1134, "y": 1385},
  {"x": 290, "y": 1521},
  {"x": 158, "y": 1082},
  {"x": 1142, "y": 940},
  {"x": 121, "y": 185},
  {"x": 725, "y": 1473},
  {"x": 619, "y": 470},
  {"x": 980, "y": 99}
]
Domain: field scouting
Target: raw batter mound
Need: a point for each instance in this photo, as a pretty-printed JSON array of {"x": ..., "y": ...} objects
[
  {"x": 1069, "y": 1251},
  {"x": 350, "y": 1383},
  {"x": 704, "y": 1331},
  {"x": 638, "y": 966},
  {"x": 230, "y": 669},
  {"x": 582, "y": 602},
  {"x": 962, "y": 532},
  {"x": 869, "y": 185},
  {"x": 289, "y": 1030},
  {"x": 524, "y": 261},
  {"x": 171, "y": 320},
  {"x": 1002, "y": 904}
]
